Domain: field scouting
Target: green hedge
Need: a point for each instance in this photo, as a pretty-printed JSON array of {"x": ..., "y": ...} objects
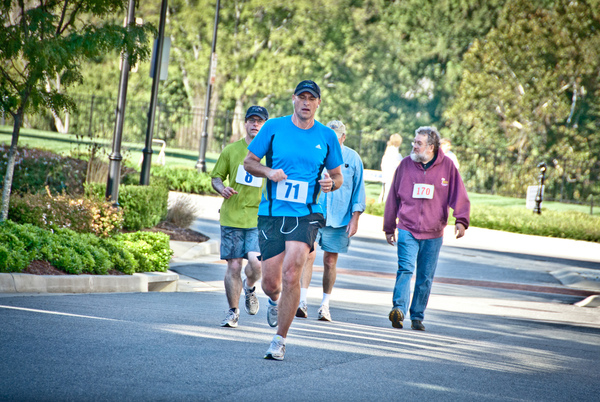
[
  {"x": 83, "y": 215},
  {"x": 184, "y": 180},
  {"x": 143, "y": 206},
  {"x": 561, "y": 224},
  {"x": 77, "y": 253}
]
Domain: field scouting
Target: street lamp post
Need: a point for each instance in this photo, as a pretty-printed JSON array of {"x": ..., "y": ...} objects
[
  {"x": 147, "y": 152},
  {"x": 201, "y": 164},
  {"x": 115, "y": 158},
  {"x": 540, "y": 192}
]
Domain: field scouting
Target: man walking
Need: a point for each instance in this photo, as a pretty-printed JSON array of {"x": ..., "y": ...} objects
[
  {"x": 342, "y": 210},
  {"x": 239, "y": 234},
  {"x": 425, "y": 185},
  {"x": 297, "y": 149}
]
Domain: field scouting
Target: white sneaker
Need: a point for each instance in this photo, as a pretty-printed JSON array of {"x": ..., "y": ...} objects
[
  {"x": 276, "y": 350},
  {"x": 251, "y": 305},
  {"x": 323, "y": 313},
  {"x": 302, "y": 311},
  {"x": 231, "y": 319},
  {"x": 272, "y": 315}
]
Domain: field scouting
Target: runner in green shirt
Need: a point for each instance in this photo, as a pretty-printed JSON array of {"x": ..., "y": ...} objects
[{"x": 239, "y": 214}]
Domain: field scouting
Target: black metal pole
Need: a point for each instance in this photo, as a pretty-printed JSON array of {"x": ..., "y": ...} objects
[
  {"x": 115, "y": 158},
  {"x": 201, "y": 164},
  {"x": 540, "y": 192},
  {"x": 147, "y": 152}
]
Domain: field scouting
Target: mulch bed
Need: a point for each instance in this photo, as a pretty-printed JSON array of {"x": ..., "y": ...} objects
[{"x": 175, "y": 233}]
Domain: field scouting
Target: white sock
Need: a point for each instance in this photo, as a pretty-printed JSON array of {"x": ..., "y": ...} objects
[
  {"x": 326, "y": 298},
  {"x": 303, "y": 295},
  {"x": 276, "y": 337},
  {"x": 273, "y": 303}
]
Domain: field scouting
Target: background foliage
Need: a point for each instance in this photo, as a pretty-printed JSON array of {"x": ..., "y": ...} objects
[{"x": 512, "y": 83}]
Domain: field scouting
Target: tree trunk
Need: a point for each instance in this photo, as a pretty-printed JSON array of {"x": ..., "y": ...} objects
[
  {"x": 10, "y": 166},
  {"x": 237, "y": 125}
]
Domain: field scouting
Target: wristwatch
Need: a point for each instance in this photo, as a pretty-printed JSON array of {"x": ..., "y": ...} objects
[{"x": 332, "y": 185}]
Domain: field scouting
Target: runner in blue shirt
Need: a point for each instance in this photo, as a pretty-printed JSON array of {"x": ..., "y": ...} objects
[{"x": 297, "y": 150}]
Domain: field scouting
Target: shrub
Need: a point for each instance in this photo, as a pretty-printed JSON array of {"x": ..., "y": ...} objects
[
  {"x": 14, "y": 256},
  {"x": 143, "y": 206},
  {"x": 36, "y": 169},
  {"x": 185, "y": 180},
  {"x": 374, "y": 208},
  {"x": 83, "y": 215},
  {"x": 77, "y": 253},
  {"x": 182, "y": 211},
  {"x": 121, "y": 258},
  {"x": 151, "y": 250}
]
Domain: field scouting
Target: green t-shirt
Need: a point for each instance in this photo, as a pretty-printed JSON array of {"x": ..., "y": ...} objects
[{"x": 241, "y": 209}]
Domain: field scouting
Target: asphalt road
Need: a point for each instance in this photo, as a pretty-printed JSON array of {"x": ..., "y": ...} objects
[{"x": 522, "y": 339}]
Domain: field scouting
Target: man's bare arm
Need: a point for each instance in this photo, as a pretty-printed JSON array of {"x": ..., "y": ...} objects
[
  {"x": 220, "y": 188},
  {"x": 254, "y": 167}
]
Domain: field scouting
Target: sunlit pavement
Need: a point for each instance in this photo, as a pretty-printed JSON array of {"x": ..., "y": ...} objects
[{"x": 527, "y": 342}]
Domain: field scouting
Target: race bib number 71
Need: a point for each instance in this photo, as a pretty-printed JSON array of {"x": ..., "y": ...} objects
[
  {"x": 292, "y": 191},
  {"x": 423, "y": 191}
]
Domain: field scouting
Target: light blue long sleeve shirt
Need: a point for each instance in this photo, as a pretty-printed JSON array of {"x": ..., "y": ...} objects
[{"x": 339, "y": 205}]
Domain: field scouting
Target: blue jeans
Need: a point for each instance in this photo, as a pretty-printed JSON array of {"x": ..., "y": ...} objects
[{"x": 422, "y": 255}]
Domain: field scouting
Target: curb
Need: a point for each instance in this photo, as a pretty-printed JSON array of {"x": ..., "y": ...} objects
[{"x": 139, "y": 282}]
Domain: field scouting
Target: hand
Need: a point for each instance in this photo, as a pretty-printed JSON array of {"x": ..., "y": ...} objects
[
  {"x": 391, "y": 238},
  {"x": 276, "y": 175},
  {"x": 228, "y": 192},
  {"x": 326, "y": 183},
  {"x": 352, "y": 228},
  {"x": 459, "y": 230}
]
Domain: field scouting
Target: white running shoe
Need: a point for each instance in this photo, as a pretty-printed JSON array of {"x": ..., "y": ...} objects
[
  {"x": 302, "y": 311},
  {"x": 323, "y": 313},
  {"x": 272, "y": 314},
  {"x": 276, "y": 350},
  {"x": 231, "y": 319},
  {"x": 251, "y": 305}
]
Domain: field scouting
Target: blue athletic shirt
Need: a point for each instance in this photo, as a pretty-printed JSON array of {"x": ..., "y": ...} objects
[{"x": 302, "y": 155}]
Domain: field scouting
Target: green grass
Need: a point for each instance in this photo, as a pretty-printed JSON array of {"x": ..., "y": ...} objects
[
  {"x": 482, "y": 200},
  {"x": 68, "y": 144}
]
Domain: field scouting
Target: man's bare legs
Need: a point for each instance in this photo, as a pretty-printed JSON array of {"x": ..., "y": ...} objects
[
  {"x": 233, "y": 281},
  {"x": 281, "y": 281},
  {"x": 233, "y": 277},
  {"x": 329, "y": 271},
  {"x": 252, "y": 269}
]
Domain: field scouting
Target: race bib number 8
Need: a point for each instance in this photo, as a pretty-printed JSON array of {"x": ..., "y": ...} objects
[
  {"x": 423, "y": 191},
  {"x": 292, "y": 191},
  {"x": 246, "y": 178}
]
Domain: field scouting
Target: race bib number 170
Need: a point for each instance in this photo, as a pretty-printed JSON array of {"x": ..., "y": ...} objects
[
  {"x": 292, "y": 191},
  {"x": 423, "y": 191}
]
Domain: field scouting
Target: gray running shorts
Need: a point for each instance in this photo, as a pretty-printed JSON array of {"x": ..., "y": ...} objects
[{"x": 237, "y": 243}]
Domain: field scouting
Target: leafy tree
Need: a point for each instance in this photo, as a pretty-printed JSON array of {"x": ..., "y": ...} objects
[
  {"x": 528, "y": 95},
  {"x": 47, "y": 39}
]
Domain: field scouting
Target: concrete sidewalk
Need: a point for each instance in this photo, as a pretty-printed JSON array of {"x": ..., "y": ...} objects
[{"x": 370, "y": 226}]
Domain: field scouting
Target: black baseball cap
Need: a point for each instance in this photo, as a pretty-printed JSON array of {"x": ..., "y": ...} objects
[
  {"x": 257, "y": 111},
  {"x": 308, "y": 86}
]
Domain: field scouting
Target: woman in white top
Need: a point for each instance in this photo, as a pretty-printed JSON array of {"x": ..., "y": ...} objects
[{"x": 389, "y": 162}]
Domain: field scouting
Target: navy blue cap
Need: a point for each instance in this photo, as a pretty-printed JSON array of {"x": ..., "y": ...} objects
[
  {"x": 257, "y": 111},
  {"x": 308, "y": 86}
]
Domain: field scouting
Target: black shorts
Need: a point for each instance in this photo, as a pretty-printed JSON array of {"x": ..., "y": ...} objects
[{"x": 274, "y": 231}]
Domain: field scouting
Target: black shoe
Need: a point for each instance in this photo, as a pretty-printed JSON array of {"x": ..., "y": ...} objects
[
  {"x": 396, "y": 317},
  {"x": 418, "y": 325}
]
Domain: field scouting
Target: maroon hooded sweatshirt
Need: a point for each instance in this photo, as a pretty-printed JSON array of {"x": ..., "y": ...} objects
[{"x": 419, "y": 199}]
